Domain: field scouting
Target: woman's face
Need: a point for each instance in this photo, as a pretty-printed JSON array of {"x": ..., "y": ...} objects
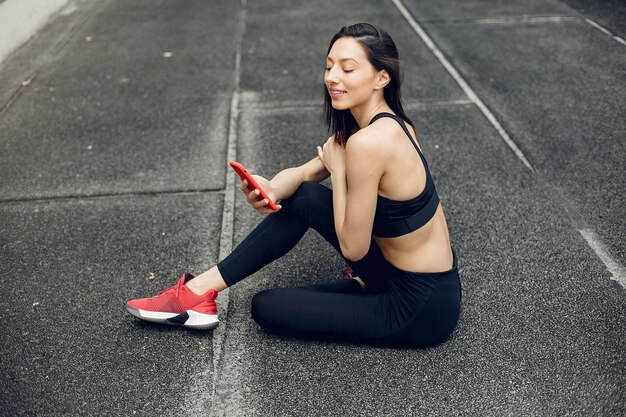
[{"x": 350, "y": 78}]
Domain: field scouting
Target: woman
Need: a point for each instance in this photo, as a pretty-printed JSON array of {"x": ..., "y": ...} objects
[{"x": 382, "y": 215}]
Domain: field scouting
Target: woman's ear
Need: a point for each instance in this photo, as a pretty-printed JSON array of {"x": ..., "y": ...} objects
[{"x": 382, "y": 79}]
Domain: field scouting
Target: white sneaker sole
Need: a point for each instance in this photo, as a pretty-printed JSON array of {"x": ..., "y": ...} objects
[{"x": 190, "y": 318}]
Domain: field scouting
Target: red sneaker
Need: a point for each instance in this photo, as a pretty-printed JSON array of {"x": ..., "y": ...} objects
[{"x": 178, "y": 305}]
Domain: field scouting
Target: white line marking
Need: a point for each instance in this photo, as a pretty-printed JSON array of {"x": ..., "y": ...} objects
[
  {"x": 620, "y": 40},
  {"x": 227, "y": 233},
  {"x": 561, "y": 198},
  {"x": 229, "y": 397},
  {"x": 597, "y": 26},
  {"x": 440, "y": 103},
  {"x": 521, "y": 19},
  {"x": 202, "y": 401},
  {"x": 279, "y": 109},
  {"x": 617, "y": 271},
  {"x": 461, "y": 82},
  {"x": 605, "y": 31},
  {"x": 502, "y": 20},
  {"x": 312, "y": 107}
]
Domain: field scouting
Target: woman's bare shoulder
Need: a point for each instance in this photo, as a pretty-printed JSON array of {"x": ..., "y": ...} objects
[{"x": 374, "y": 136}]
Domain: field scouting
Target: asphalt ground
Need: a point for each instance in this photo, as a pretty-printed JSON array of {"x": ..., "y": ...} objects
[{"x": 113, "y": 160}]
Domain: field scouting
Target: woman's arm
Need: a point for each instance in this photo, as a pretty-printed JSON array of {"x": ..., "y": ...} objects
[
  {"x": 287, "y": 181},
  {"x": 315, "y": 170}
]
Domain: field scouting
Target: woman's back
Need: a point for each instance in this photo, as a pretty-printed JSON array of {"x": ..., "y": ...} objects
[{"x": 406, "y": 182}]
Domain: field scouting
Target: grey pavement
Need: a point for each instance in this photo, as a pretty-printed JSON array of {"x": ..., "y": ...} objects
[{"x": 114, "y": 180}]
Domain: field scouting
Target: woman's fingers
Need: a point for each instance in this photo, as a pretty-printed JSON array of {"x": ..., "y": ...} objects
[
  {"x": 252, "y": 195},
  {"x": 253, "y": 199},
  {"x": 260, "y": 203},
  {"x": 263, "y": 206},
  {"x": 267, "y": 210}
]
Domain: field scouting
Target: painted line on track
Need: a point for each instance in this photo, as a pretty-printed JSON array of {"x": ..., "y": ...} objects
[
  {"x": 618, "y": 272},
  {"x": 502, "y": 20},
  {"x": 224, "y": 396},
  {"x": 436, "y": 103},
  {"x": 121, "y": 194},
  {"x": 231, "y": 399},
  {"x": 514, "y": 20},
  {"x": 560, "y": 197},
  {"x": 319, "y": 106},
  {"x": 597, "y": 26},
  {"x": 605, "y": 31},
  {"x": 523, "y": 19},
  {"x": 202, "y": 397},
  {"x": 462, "y": 83}
]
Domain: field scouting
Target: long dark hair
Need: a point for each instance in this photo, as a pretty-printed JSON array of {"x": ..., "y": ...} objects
[{"x": 382, "y": 54}]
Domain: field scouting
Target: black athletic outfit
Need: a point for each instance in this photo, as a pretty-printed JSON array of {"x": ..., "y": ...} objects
[{"x": 397, "y": 308}]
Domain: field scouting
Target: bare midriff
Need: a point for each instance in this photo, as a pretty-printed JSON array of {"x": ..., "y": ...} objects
[{"x": 426, "y": 249}]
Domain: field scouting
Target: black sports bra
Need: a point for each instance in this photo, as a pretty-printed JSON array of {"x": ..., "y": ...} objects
[{"x": 396, "y": 218}]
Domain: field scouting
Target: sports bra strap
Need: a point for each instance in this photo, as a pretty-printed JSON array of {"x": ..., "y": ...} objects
[{"x": 402, "y": 125}]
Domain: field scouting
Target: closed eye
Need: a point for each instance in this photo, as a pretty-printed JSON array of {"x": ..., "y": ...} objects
[{"x": 328, "y": 69}]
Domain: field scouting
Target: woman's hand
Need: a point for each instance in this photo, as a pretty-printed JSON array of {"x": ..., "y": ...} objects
[
  {"x": 254, "y": 198},
  {"x": 333, "y": 156}
]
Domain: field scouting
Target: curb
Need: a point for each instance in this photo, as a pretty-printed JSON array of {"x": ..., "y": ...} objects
[{"x": 21, "y": 19}]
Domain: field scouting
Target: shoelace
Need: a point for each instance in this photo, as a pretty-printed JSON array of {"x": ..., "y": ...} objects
[{"x": 172, "y": 288}]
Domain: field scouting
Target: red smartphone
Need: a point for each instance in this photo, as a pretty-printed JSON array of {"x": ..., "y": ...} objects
[{"x": 245, "y": 175}]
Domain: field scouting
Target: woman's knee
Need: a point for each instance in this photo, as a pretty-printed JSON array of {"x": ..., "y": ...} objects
[
  {"x": 309, "y": 201},
  {"x": 263, "y": 306}
]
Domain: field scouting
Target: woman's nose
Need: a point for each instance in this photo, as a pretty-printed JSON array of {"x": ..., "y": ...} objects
[{"x": 331, "y": 76}]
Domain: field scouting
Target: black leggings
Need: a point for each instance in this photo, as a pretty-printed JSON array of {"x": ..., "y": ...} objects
[{"x": 398, "y": 307}]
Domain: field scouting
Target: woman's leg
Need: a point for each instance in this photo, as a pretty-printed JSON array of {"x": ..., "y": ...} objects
[
  {"x": 418, "y": 310},
  {"x": 343, "y": 313},
  {"x": 278, "y": 233}
]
